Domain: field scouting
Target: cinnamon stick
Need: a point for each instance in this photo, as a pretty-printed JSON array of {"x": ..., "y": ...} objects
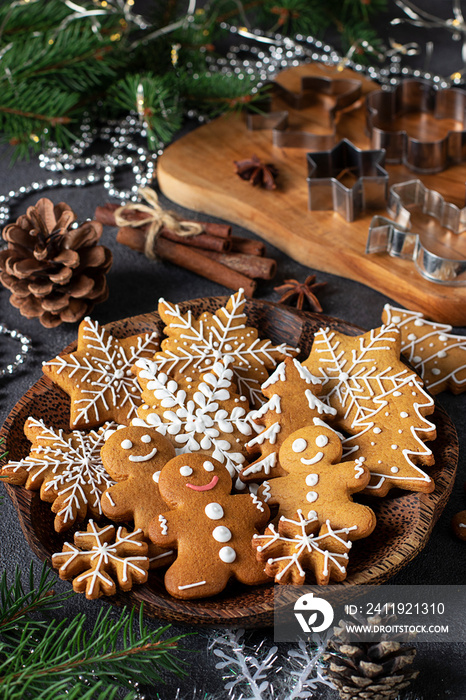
[
  {"x": 189, "y": 258},
  {"x": 247, "y": 246},
  {"x": 249, "y": 265},
  {"x": 201, "y": 240}
]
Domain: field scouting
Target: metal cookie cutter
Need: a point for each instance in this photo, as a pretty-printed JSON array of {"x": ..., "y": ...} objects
[
  {"x": 327, "y": 192},
  {"x": 344, "y": 92},
  {"x": 384, "y": 106},
  {"x": 396, "y": 239}
]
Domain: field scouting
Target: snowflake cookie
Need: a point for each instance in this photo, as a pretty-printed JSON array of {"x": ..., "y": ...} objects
[
  {"x": 437, "y": 356},
  {"x": 66, "y": 467},
  {"x": 318, "y": 484},
  {"x": 98, "y": 376},
  {"x": 380, "y": 403},
  {"x": 208, "y": 416},
  {"x": 98, "y": 553},
  {"x": 302, "y": 545},
  {"x": 211, "y": 528},
  {"x": 193, "y": 345},
  {"x": 292, "y": 392},
  {"x": 134, "y": 457}
]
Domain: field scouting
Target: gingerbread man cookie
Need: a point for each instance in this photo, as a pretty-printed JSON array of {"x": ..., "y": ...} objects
[
  {"x": 211, "y": 528},
  {"x": 318, "y": 484},
  {"x": 134, "y": 457}
]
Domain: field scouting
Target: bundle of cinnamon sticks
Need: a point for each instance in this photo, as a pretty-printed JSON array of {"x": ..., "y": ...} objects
[{"x": 214, "y": 254}]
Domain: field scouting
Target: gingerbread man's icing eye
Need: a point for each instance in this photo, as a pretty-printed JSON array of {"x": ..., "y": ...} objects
[
  {"x": 186, "y": 471},
  {"x": 321, "y": 440},
  {"x": 126, "y": 444},
  {"x": 146, "y": 439},
  {"x": 299, "y": 445},
  {"x": 208, "y": 466}
]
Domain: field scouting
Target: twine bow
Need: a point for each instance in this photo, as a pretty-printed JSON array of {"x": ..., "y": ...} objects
[{"x": 156, "y": 219}]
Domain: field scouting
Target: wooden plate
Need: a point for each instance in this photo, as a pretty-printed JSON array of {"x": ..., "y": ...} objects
[{"x": 405, "y": 520}]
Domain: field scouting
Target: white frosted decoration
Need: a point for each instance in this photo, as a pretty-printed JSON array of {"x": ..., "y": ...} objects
[
  {"x": 221, "y": 534},
  {"x": 156, "y": 476},
  {"x": 227, "y": 555},
  {"x": 186, "y": 471},
  {"x": 316, "y": 404},
  {"x": 394, "y": 470},
  {"x": 214, "y": 511},
  {"x": 318, "y": 457},
  {"x": 299, "y": 445},
  {"x": 305, "y": 374},
  {"x": 126, "y": 444},
  {"x": 146, "y": 439},
  {"x": 208, "y": 466},
  {"x": 312, "y": 496},
  {"x": 321, "y": 440},
  {"x": 312, "y": 479}
]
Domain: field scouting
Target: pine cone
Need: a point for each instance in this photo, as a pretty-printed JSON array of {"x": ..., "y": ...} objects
[
  {"x": 54, "y": 272},
  {"x": 366, "y": 670}
]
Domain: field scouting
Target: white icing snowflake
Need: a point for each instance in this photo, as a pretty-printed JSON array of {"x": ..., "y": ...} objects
[
  {"x": 225, "y": 332},
  {"x": 209, "y": 417},
  {"x": 69, "y": 468},
  {"x": 104, "y": 387}
]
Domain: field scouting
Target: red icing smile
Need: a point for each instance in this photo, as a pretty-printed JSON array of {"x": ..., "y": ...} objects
[{"x": 206, "y": 487}]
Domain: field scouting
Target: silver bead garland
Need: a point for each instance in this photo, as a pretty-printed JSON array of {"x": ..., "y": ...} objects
[{"x": 21, "y": 356}]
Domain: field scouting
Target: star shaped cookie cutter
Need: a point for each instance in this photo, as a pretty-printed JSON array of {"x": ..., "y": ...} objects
[
  {"x": 344, "y": 92},
  {"x": 369, "y": 190},
  {"x": 384, "y": 106},
  {"x": 395, "y": 237}
]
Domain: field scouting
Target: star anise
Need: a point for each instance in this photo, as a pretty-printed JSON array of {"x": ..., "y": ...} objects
[
  {"x": 301, "y": 293},
  {"x": 258, "y": 173}
]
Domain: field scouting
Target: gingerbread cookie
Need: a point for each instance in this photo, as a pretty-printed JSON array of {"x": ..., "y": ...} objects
[
  {"x": 380, "y": 403},
  {"x": 437, "y": 356},
  {"x": 134, "y": 457},
  {"x": 297, "y": 547},
  {"x": 96, "y": 554},
  {"x": 458, "y": 524},
  {"x": 292, "y": 392},
  {"x": 318, "y": 485},
  {"x": 98, "y": 376},
  {"x": 66, "y": 467},
  {"x": 211, "y": 528},
  {"x": 193, "y": 345},
  {"x": 209, "y": 416}
]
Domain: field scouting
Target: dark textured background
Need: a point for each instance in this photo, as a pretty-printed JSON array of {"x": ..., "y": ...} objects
[{"x": 135, "y": 285}]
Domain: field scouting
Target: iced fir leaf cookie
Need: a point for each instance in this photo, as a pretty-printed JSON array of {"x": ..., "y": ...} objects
[
  {"x": 98, "y": 376},
  {"x": 318, "y": 485},
  {"x": 66, "y": 467},
  {"x": 380, "y": 403},
  {"x": 292, "y": 392},
  {"x": 134, "y": 458},
  {"x": 300, "y": 545},
  {"x": 98, "y": 557},
  {"x": 192, "y": 345},
  {"x": 211, "y": 528},
  {"x": 207, "y": 416},
  {"x": 437, "y": 356}
]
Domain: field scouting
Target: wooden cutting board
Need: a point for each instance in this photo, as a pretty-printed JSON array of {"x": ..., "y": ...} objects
[{"x": 197, "y": 172}]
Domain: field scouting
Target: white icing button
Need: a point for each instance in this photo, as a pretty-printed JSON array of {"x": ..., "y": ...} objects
[
  {"x": 395, "y": 470},
  {"x": 312, "y": 496},
  {"x": 126, "y": 444},
  {"x": 417, "y": 358},
  {"x": 321, "y": 440},
  {"x": 418, "y": 322},
  {"x": 208, "y": 466},
  {"x": 214, "y": 511},
  {"x": 394, "y": 447},
  {"x": 299, "y": 445},
  {"x": 412, "y": 336},
  {"x": 403, "y": 414},
  {"x": 312, "y": 479},
  {"x": 377, "y": 430},
  {"x": 397, "y": 393},
  {"x": 396, "y": 319},
  {"x": 227, "y": 554},
  {"x": 221, "y": 534},
  {"x": 146, "y": 438},
  {"x": 186, "y": 471},
  {"x": 156, "y": 476},
  {"x": 343, "y": 376},
  {"x": 435, "y": 370},
  {"x": 441, "y": 354},
  {"x": 443, "y": 337}
]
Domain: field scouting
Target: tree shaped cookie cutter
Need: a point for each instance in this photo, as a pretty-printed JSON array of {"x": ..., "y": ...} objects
[
  {"x": 423, "y": 156},
  {"x": 395, "y": 237},
  {"x": 369, "y": 190},
  {"x": 344, "y": 92}
]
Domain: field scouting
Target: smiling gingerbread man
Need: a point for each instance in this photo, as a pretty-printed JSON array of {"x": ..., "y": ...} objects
[
  {"x": 134, "y": 457},
  {"x": 211, "y": 528},
  {"x": 318, "y": 484}
]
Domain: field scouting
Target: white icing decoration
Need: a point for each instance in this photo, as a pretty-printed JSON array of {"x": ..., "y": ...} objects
[
  {"x": 227, "y": 555},
  {"x": 257, "y": 502},
  {"x": 208, "y": 466},
  {"x": 186, "y": 470},
  {"x": 156, "y": 476},
  {"x": 299, "y": 445},
  {"x": 404, "y": 414},
  {"x": 394, "y": 470},
  {"x": 312, "y": 496},
  {"x": 313, "y": 460},
  {"x": 163, "y": 524},
  {"x": 146, "y": 439},
  {"x": 126, "y": 444},
  {"x": 112, "y": 503},
  {"x": 143, "y": 458},
  {"x": 358, "y": 469},
  {"x": 321, "y": 440},
  {"x": 214, "y": 511},
  {"x": 377, "y": 431},
  {"x": 221, "y": 534},
  {"x": 266, "y": 464},
  {"x": 394, "y": 447},
  {"x": 191, "y": 585},
  {"x": 312, "y": 479},
  {"x": 435, "y": 370}
]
